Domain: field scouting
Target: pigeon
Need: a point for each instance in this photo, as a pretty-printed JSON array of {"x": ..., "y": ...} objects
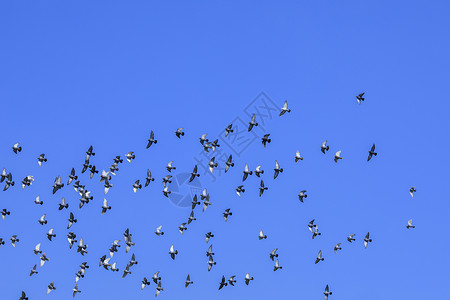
[
  {"x": 136, "y": 186},
  {"x": 145, "y": 282},
  {"x": 158, "y": 231},
  {"x": 206, "y": 203},
  {"x": 223, "y": 283},
  {"x": 258, "y": 171},
  {"x": 324, "y": 147},
  {"x": 228, "y": 130},
  {"x": 411, "y": 190},
  {"x": 319, "y": 257},
  {"x": 37, "y": 249},
  {"x": 191, "y": 218},
  {"x": 72, "y": 176},
  {"x": 360, "y": 98},
  {"x": 182, "y": 228},
  {"x": 57, "y": 184},
  {"x": 252, "y": 123},
  {"x": 248, "y": 278},
  {"x": 208, "y": 236},
  {"x": 212, "y": 165},
  {"x": 156, "y": 277},
  {"x": 33, "y": 271},
  {"x": 44, "y": 258},
  {"x": 118, "y": 160},
  {"x": 226, "y": 214},
  {"x": 273, "y": 254},
  {"x": 350, "y": 238},
  {"x": 211, "y": 263},
  {"x": 129, "y": 243},
  {"x": 83, "y": 267},
  {"x": 302, "y": 195},
  {"x": 167, "y": 180},
  {"x": 228, "y": 163},
  {"x": 16, "y": 148},
  {"x": 104, "y": 262},
  {"x": 5, "y": 213},
  {"x": 42, "y": 220},
  {"x": 75, "y": 290},
  {"x": 173, "y": 252},
  {"x": 93, "y": 170},
  {"x": 27, "y": 181},
  {"x": 262, "y": 188},
  {"x": 8, "y": 181},
  {"x": 41, "y": 159},
  {"x": 261, "y": 235},
  {"x": 203, "y": 139},
  {"x": 24, "y": 296},
  {"x": 277, "y": 266},
  {"x": 86, "y": 165},
  {"x": 371, "y": 152},
  {"x": 285, "y": 109},
  {"x": 209, "y": 251},
  {"x": 337, "y": 156},
  {"x": 297, "y": 156},
  {"x": 63, "y": 204},
  {"x": 277, "y": 170},
  {"x": 337, "y": 247},
  {"x": 50, "y": 234},
  {"x": 327, "y": 292},
  {"x": 82, "y": 247},
  {"x": 311, "y": 225},
  {"x": 214, "y": 145},
  {"x": 194, "y": 174},
  {"x": 246, "y": 172},
  {"x": 265, "y": 139},
  {"x": 38, "y": 200},
  {"x": 113, "y": 168},
  {"x": 316, "y": 231},
  {"x": 188, "y": 281},
  {"x": 133, "y": 260},
  {"x": 231, "y": 280},
  {"x": 130, "y": 156},
  {"x": 113, "y": 248},
  {"x": 71, "y": 220},
  {"x": 71, "y": 238},
  {"x": 89, "y": 152},
  {"x": 158, "y": 289},
  {"x": 148, "y": 178},
  {"x": 51, "y": 287},
  {"x": 240, "y": 189},
  {"x": 195, "y": 202},
  {"x": 77, "y": 187},
  {"x": 152, "y": 140},
  {"x": 166, "y": 191},
  {"x": 4, "y": 175},
  {"x": 179, "y": 133},
  {"x": 126, "y": 271},
  {"x": 170, "y": 167},
  {"x": 410, "y": 224},
  {"x": 78, "y": 275},
  {"x": 367, "y": 240},
  {"x": 105, "y": 176}
]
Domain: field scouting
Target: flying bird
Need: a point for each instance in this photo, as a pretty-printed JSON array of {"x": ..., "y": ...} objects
[
  {"x": 158, "y": 289},
  {"x": 262, "y": 235},
  {"x": 258, "y": 171},
  {"x": 324, "y": 147},
  {"x": 148, "y": 178},
  {"x": 136, "y": 186},
  {"x": 285, "y": 108},
  {"x": 228, "y": 163},
  {"x": 337, "y": 247},
  {"x": 188, "y": 281},
  {"x": 5, "y": 213},
  {"x": 319, "y": 257},
  {"x": 41, "y": 159},
  {"x": 262, "y": 188},
  {"x": 360, "y": 98},
  {"x": 90, "y": 152},
  {"x": 248, "y": 278},
  {"x": 44, "y": 258},
  {"x": 367, "y": 240},
  {"x": 179, "y": 133},
  {"x": 231, "y": 280},
  {"x": 130, "y": 155},
  {"x": 228, "y": 130},
  {"x": 57, "y": 184},
  {"x": 63, "y": 204},
  {"x": 170, "y": 167},
  {"x": 145, "y": 282},
  {"x": 16, "y": 148},
  {"x": 208, "y": 236},
  {"x": 350, "y": 238},
  {"x": 302, "y": 195},
  {"x": 265, "y": 139},
  {"x": 42, "y": 220},
  {"x": 252, "y": 123},
  {"x": 226, "y": 214},
  {"x": 151, "y": 140},
  {"x": 33, "y": 271},
  {"x": 410, "y": 224},
  {"x": 50, "y": 234},
  {"x": 277, "y": 266},
  {"x": 75, "y": 290},
  {"x": 222, "y": 283},
  {"x": 273, "y": 254},
  {"x": 411, "y": 190},
  {"x": 371, "y": 152},
  {"x": 211, "y": 263},
  {"x": 297, "y": 156},
  {"x": 194, "y": 174},
  {"x": 246, "y": 172},
  {"x": 158, "y": 231},
  {"x": 337, "y": 156},
  {"x": 173, "y": 252},
  {"x": 277, "y": 170},
  {"x": 240, "y": 189},
  {"x": 51, "y": 287}
]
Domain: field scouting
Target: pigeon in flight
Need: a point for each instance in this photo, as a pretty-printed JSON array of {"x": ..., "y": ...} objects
[
  {"x": 265, "y": 139},
  {"x": 327, "y": 292},
  {"x": 158, "y": 231},
  {"x": 57, "y": 184},
  {"x": 311, "y": 225},
  {"x": 240, "y": 189},
  {"x": 78, "y": 276},
  {"x": 156, "y": 277},
  {"x": 277, "y": 266},
  {"x": 277, "y": 170},
  {"x": 38, "y": 200},
  {"x": 145, "y": 282},
  {"x": 71, "y": 238},
  {"x": 231, "y": 280},
  {"x": 169, "y": 167},
  {"x": 51, "y": 287},
  {"x": 136, "y": 186},
  {"x": 273, "y": 254},
  {"x": 208, "y": 236},
  {"x": 222, "y": 283},
  {"x": 179, "y": 133},
  {"x": 182, "y": 228},
  {"x": 90, "y": 152},
  {"x": 203, "y": 139},
  {"x": 360, "y": 98},
  {"x": 410, "y": 224},
  {"x": 173, "y": 252},
  {"x": 104, "y": 262},
  {"x": 42, "y": 220},
  {"x": 319, "y": 257},
  {"x": 41, "y": 159},
  {"x": 167, "y": 180},
  {"x": 75, "y": 290},
  {"x": 151, "y": 140},
  {"x": 16, "y": 148},
  {"x": 194, "y": 174},
  {"x": 86, "y": 165},
  {"x": 411, "y": 190},
  {"x": 297, "y": 156},
  {"x": 302, "y": 195},
  {"x": 148, "y": 178},
  {"x": 337, "y": 156},
  {"x": 371, "y": 152},
  {"x": 252, "y": 123},
  {"x": 191, "y": 217},
  {"x": 33, "y": 271},
  {"x": 5, "y": 213},
  {"x": 206, "y": 203},
  {"x": 285, "y": 108},
  {"x": 228, "y": 130},
  {"x": 44, "y": 258},
  {"x": 4, "y": 175},
  {"x": 215, "y": 144},
  {"x": 226, "y": 214},
  {"x": 27, "y": 181},
  {"x": 212, "y": 164},
  {"x": 50, "y": 234},
  {"x": 114, "y": 267},
  {"x": 158, "y": 289},
  {"x": 228, "y": 163},
  {"x": 93, "y": 171},
  {"x": 72, "y": 176},
  {"x": 337, "y": 247},
  {"x": 126, "y": 271},
  {"x": 81, "y": 247},
  {"x": 133, "y": 260},
  {"x": 324, "y": 147},
  {"x": 316, "y": 231},
  {"x": 130, "y": 156},
  {"x": 262, "y": 235},
  {"x": 211, "y": 263},
  {"x": 114, "y": 247},
  {"x": 63, "y": 204},
  {"x": 262, "y": 188},
  {"x": 188, "y": 281},
  {"x": 367, "y": 240},
  {"x": 209, "y": 251},
  {"x": 166, "y": 191},
  {"x": 248, "y": 278},
  {"x": 350, "y": 238},
  {"x": 246, "y": 172},
  {"x": 258, "y": 171},
  {"x": 37, "y": 249},
  {"x": 118, "y": 160},
  {"x": 9, "y": 182},
  {"x": 195, "y": 202}
]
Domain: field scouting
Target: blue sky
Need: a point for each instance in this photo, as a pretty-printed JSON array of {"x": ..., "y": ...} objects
[{"x": 106, "y": 73}]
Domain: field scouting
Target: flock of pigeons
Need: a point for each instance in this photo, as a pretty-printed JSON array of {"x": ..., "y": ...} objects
[{"x": 106, "y": 179}]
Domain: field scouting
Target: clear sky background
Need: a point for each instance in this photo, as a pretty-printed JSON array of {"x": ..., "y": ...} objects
[{"x": 106, "y": 73}]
